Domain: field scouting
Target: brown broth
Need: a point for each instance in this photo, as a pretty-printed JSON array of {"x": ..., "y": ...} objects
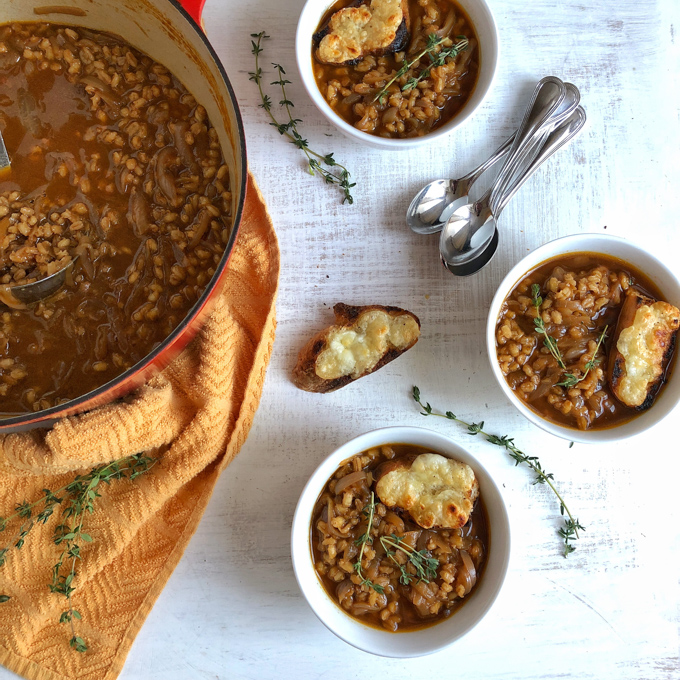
[
  {"x": 611, "y": 412},
  {"x": 474, "y": 533},
  {"x": 140, "y": 134},
  {"x": 353, "y": 78}
]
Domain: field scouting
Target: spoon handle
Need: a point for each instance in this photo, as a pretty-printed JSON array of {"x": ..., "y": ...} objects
[
  {"x": 547, "y": 97},
  {"x": 501, "y": 151},
  {"x": 562, "y": 134},
  {"x": 567, "y": 106}
]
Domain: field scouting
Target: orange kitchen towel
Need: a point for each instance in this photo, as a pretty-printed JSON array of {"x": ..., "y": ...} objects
[{"x": 194, "y": 417}]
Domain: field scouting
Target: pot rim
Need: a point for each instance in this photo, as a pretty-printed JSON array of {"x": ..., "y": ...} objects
[{"x": 49, "y": 416}]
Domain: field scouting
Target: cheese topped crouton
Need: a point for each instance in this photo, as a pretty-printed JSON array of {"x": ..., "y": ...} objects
[
  {"x": 362, "y": 340},
  {"x": 355, "y": 32},
  {"x": 436, "y": 491},
  {"x": 646, "y": 334}
]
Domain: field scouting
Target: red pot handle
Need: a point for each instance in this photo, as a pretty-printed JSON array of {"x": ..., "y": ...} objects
[{"x": 194, "y": 9}]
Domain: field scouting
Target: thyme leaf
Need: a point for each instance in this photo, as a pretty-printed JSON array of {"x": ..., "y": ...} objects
[
  {"x": 437, "y": 58},
  {"x": 424, "y": 565},
  {"x": 77, "y": 500},
  {"x": 571, "y": 380},
  {"x": 569, "y": 532},
  {"x": 539, "y": 327},
  {"x": 289, "y": 129},
  {"x": 362, "y": 541}
]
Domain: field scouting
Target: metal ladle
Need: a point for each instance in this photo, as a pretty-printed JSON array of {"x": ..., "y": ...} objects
[
  {"x": 5, "y": 163},
  {"x": 470, "y": 238},
  {"x": 437, "y": 201},
  {"x": 19, "y": 296}
]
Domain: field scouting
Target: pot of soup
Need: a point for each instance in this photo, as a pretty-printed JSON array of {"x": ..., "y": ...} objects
[{"x": 128, "y": 178}]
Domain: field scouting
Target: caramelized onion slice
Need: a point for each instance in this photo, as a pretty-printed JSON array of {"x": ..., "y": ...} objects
[
  {"x": 347, "y": 481},
  {"x": 469, "y": 566}
]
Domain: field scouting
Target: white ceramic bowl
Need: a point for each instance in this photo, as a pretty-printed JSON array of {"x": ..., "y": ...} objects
[
  {"x": 428, "y": 640},
  {"x": 667, "y": 283},
  {"x": 483, "y": 21}
]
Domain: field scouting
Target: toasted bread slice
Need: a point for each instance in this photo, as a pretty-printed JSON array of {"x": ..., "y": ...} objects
[
  {"x": 436, "y": 491},
  {"x": 642, "y": 349},
  {"x": 362, "y": 340},
  {"x": 363, "y": 28}
]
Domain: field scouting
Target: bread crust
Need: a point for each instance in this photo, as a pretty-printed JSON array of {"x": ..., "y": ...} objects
[
  {"x": 346, "y": 316},
  {"x": 617, "y": 363}
]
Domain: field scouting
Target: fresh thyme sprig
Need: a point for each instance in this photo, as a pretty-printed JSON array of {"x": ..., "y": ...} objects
[
  {"x": 436, "y": 59},
  {"x": 77, "y": 501},
  {"x": 539, "y": 325},
  {"x": 571, "y": 380},
  {"x": 572, "y": 526},
  {"x": 315, "y": 161},
  {"x": 369, "y": 513},
  {"x": 424, "y": 565}
]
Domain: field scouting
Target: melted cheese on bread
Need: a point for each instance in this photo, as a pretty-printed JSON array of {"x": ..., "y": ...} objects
[
  {"x": 358, "y": 31},
  {"x": 436, "y": 491},
  {"x": 643, "y": 346},
  {"x": 357, "y": 349}
]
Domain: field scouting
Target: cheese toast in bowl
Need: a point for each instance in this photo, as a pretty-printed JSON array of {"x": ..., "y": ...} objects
[
  {"x": 415, "y": 582},
  {"x": 581, "y": 337}
]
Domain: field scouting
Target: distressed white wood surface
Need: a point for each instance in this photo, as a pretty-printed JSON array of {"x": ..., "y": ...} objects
[{"x": 232, "y": 610}]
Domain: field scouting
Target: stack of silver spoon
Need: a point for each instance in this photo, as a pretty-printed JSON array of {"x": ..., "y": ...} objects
[{"x": 469, "y": 230}]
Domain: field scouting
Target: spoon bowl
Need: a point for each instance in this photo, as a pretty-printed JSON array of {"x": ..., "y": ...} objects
[
  {"x": 432, "y": 206},
  {"x": 478, "y": 259},
  {"x": 17, "y": 297},
  {"x": 472, "y": 229}
]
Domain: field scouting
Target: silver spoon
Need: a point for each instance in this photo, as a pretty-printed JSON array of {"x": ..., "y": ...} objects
[
  {"x": 572, "y": 98},
  {"x": 463, "y": 236},
  {"x": 470, "y": 238},
  {"x": 437, "y": 201}
]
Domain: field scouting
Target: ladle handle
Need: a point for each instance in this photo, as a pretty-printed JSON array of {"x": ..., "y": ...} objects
[
  {"x": 547, "y": 97},
  {"x": 555, "y": 141},
  {"x": 4, "y": 156}
]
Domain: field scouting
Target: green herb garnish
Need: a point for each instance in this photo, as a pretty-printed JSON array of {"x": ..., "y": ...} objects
[
  {"x": 437, "y": 58},
  {"x": 424, "y": 565},
  {"x": 315, "y": 161},
  {"x": 539, "y": 326},
  {"x": 77, "y": 502},
  {"x": 369, "y": 513},
  {"x": 572, "y": 526},
  {"x": 571, "y": 380}
]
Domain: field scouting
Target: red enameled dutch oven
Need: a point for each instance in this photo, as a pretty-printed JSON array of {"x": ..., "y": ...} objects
[{"x": 169, "y": 32}]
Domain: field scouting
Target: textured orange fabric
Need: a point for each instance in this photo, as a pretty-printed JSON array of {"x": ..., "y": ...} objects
[{"x": 195, "y": 416}]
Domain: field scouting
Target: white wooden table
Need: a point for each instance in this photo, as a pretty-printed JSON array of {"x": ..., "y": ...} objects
[{"x": 232, "y": 609}]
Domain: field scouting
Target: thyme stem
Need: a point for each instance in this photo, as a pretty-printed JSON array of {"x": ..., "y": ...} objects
[
  {"x": 570, "y": 380},
  {"x": 315, "y": 160},
  {"x": 424, "y": 565},
  {"x": 569, "y": 532},
  {"x": 540, "y": 328},
  {"x": 362, "y": 541},
  {"x": 437, "y": 59},
  {"x": 78, "y": 499}
]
